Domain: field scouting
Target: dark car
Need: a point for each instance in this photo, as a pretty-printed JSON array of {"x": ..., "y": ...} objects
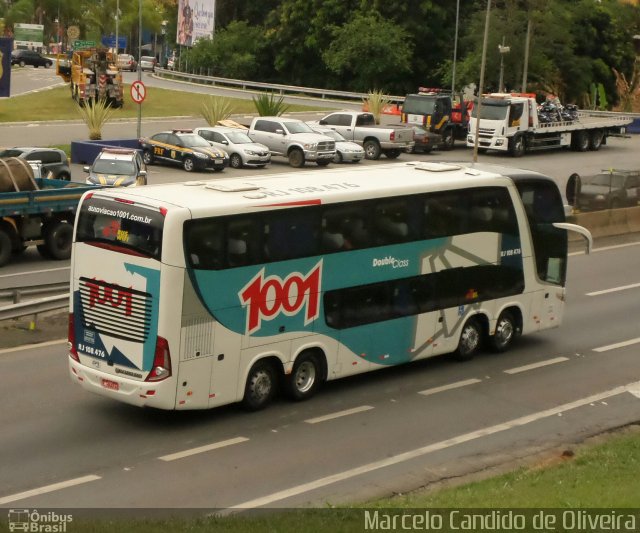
[
  {"x": 30, "y": 57},
  {"x": 54, "y": 161},
  {"x": 425, "y": 140},
  {"x": 609, "y": 189},
  {"x": 117, "y": 167},
  {"x": 183, "y": 147}
]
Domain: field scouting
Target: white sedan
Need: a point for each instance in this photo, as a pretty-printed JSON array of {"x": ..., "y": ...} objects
[
  {"x": 242, "y": 150},
  {"x": 346, "y": 151}
]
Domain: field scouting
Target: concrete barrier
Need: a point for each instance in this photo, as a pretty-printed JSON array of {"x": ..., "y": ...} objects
[
  {"x": 608, "y": 222},
  {"x": 85, "y": 152}
]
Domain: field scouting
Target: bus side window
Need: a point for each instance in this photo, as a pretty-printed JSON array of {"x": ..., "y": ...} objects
[
  {"x": 333, "y": 239},
  {"x": 291, "y": 235},
  {"x": 204, "y": 245},
  {"x": 391, "y": 223}
]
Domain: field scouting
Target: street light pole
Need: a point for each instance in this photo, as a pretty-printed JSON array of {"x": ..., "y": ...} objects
[
  {"x": 526, "y": 56},
  {"x": 481, "y": 87},
  {"x": 139, "y": 69},
  {"x": 117, "y": 19},
  {"x": 503, "y": 50}
]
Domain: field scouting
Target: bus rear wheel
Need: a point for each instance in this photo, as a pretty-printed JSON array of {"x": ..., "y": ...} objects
[
  {"x": 306, "y": 377},
  {"x": 506, "y": 332},
  {"x": 470, "y": 340},
  {"x": 260, "y": 387}
]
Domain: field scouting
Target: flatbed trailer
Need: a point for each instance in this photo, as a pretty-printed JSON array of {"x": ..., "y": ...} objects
[{"x": 511, "y": 124}]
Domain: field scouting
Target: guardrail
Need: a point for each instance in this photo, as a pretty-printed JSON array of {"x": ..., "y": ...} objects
[
  {"x": 16, "y": 294},
  {"x": 34, "y": 307},
  {"x": 291, "y": 90}
]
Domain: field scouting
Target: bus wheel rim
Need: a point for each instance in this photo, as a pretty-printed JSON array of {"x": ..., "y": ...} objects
[
  {"x": 504, "y": 332},
  {"x": 305, "y": 376},
  {"x": 261, "y": 386},
  {"x": 470, "y": 339}
]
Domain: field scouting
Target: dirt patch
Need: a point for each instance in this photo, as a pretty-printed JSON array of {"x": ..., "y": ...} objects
[{"x": 27, "y": 330}]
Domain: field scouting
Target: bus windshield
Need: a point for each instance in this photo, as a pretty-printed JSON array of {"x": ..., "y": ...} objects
[{"x": 130, "y": 227}]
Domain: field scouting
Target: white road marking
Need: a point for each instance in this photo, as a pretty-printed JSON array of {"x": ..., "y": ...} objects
[
  {"x": 33, "y": 346},
  {"x": 617, "y": 345},
  {"x": 202, "y": 449},
  {"x": 533, "y": 366},
  {"x": 419, "y": 452},
  {"x": 48, "y": 488},
  {"x": 339, "y": 414},
  {"x": 450, "y": 386},
  {"x": 22, "y": 274},
  {"x": 614, "y": 289}
]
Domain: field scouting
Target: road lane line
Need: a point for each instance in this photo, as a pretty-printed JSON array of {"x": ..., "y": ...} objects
[
  {"x": 450, "y": 386},
  {"x": 339, "y": 414},
  {"x": 614, "y": 289},
  {"x": 533, "y": 366},
  {"x": 33, "y": 346},
  {"x": 48, "y": 488},
  {"x": 28, "y": 272},
  {"x": 419, "y": 452},
  {"x": 202, "y": 449},
  {"x": 617, "y": 345}
]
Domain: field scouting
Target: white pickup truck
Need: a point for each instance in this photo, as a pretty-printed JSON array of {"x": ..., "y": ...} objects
[
  {"x": 292, "y": 139},
  {"x": 361, "y": 127}
]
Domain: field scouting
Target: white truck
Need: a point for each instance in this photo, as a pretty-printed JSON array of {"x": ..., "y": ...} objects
[
  {"x": 360, "y": 127},
  {"x": 293, "y": 139},
  {"x": 510, "y": 123}
]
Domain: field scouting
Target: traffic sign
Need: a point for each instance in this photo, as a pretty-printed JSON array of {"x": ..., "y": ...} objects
[
  {"x": 80, "y": 45},
  {"x": 138, "y": 91}
]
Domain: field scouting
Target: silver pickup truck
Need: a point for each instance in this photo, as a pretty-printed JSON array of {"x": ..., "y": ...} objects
[
  {"x": 292, "y": 139},
  {"x": 360, "y": 127}
]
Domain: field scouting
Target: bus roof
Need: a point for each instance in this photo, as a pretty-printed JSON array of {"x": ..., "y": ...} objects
[{"x": 318, "y": 186}]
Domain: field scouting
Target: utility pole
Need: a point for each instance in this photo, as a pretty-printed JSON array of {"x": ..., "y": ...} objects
[
  {"x": 481, "y": 87},
  {"x": 139, "y": 69},
  {"x": 526, "y": 55},
  {"x": 455, "y": 50}
]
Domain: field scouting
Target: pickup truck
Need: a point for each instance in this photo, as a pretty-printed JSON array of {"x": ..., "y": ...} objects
[
  {"x": 36, "y": 211},
  {"x": 293, "y": 139},
  {"x": 360, "y": 127}
]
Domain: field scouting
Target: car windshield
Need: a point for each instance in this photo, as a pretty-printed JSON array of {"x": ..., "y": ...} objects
[
  {"x": 193, "y": 140},
  {"x": 491, "y": 112},
  {"x": 610, "y": 180},
  {"x": 114, "y": 166},
  {"x": 10, "y": 153},
  {"x": 297, "y": 127},
  {"x": 239, "y": 137}
]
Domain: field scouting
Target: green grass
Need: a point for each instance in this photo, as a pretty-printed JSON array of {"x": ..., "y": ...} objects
[
  {"x": 56, "y": 104},
  {"x": 603, "y": 475}
]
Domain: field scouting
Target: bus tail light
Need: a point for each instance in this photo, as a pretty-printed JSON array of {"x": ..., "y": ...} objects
[
  {"x": 71, "y": 337},
  {"x": 161, "y": 361}
]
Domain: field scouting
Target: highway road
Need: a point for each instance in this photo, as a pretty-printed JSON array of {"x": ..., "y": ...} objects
[{"x": 360, "y": 437}]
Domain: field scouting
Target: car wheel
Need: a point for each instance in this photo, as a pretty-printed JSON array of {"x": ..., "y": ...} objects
[
  {"x": 447, "y": 139},
  {"x": 64, "y": 176},
  {"x": 235, "y": 161},
  {"x": 337, "y": 158},
  {"x": 296, "y": 158},
  {"x": 147, "y": 157},
  {"x": 22, "y": 63},
  {"x": 260, "y": 387},
  {"x": 188, "y": 164},
  {"x": 517, "y": 146},
  {"x": 48, "y": 64},
  {"x": 372, "y": 150}
]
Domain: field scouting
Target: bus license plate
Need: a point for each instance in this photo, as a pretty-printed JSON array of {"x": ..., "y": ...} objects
[{"x": 111, "y": 385}]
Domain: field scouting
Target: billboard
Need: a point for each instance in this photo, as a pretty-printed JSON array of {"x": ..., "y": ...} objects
[
  {"x": 6, "y": 45},
  {"x": 196, "y": 20},
  {"x": 28, "y": 36}
]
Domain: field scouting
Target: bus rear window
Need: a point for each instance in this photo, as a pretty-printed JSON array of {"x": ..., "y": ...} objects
[{"x": 130, "y": 227}]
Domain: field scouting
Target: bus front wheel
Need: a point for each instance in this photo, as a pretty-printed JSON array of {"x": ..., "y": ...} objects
[
  {"x": 470, "y": 340},
  {"x": 260, "y": 387},
  {"x": 305, "y": 378}
]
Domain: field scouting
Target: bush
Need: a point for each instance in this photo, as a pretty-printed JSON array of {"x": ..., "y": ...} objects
[
  {"x": 95, "y": 114},
  {"x": 268, "y": 105},
  {"x": 216, "y": 108}
]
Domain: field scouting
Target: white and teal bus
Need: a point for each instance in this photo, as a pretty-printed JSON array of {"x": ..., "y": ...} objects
[{"x": 204, "y": 293}]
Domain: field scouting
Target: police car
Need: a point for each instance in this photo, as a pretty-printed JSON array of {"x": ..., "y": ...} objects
[
  {"x": 117, "y": 167},
  {"x": 185, "y": 148}
]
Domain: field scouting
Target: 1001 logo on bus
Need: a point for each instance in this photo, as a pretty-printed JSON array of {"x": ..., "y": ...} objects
[{"x": 266, "y": 298}]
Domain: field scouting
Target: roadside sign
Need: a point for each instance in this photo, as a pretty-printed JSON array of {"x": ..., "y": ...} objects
[
  {"x": 79, "y": 45},
  {"x": 138, "y": 92},
  {"x": 73, "y": 32}
]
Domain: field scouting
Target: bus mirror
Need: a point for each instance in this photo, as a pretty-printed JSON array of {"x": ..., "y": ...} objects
[
  {"x": 574, "y": 185},
  {"x": 584, "y": 232}
]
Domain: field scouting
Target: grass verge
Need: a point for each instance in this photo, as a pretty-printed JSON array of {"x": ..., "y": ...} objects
[
  {"x": 567, "y": 490},
  {"x": 57, "y": 104}
]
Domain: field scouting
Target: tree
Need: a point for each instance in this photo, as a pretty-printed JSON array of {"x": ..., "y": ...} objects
[{"x": 371, "y": 51}]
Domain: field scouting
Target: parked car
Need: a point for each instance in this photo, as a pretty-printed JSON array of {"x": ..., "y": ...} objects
[
  {"x": 293, "y": 139},
  {"x": 346, "y": 151},
  {"x": 30, "y": 57},
  {"x": 147, "y": 63},
  {"x": 117, "y": 167},
  {"x": 183, "y": 147},
  {"x": 54, "y": 162},
  {"x": 424, "y": 140},
  {"x": 127, "y": 62},
  {"x": 243, "y": 152},
  {"x": 609, "y": 189}
]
